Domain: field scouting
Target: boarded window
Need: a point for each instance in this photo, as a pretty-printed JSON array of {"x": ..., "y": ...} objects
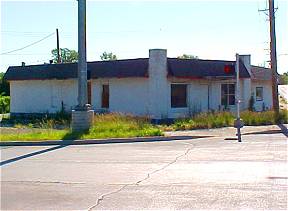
[
  {"x": 105, "y": 96},
  {"x": 178, "y": 95},
  {"x": 259, "y": 93},
  {"x": 227, "y": 94}
]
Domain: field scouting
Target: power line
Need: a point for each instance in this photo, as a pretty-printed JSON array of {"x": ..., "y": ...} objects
[{"x": 28, "y": 45}]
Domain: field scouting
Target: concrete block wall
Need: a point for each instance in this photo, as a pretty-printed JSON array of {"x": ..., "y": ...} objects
[{"x": 82, "y": 120}]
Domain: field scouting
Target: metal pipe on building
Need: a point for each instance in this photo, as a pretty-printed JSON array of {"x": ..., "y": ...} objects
[{"x": 238, "y": 123}]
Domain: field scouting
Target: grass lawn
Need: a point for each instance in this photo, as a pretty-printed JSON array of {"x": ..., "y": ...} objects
[
  {"x": 33, "y": 135},
  {"x": 104, "y": 126}
]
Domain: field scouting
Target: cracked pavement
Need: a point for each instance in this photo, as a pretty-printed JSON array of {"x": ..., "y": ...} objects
[{"x": 207, "y": 173}]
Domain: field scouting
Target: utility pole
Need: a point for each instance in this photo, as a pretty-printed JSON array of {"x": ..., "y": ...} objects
[
  {"x": 273, "y": 56},
  {"x": 58, "y": 48},
  {"x": 82, "y": 63},
  {"x": 82, "y": 116}
]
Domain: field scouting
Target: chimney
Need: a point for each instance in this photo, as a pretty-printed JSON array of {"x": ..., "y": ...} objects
[
  {"x": 246, "y": 59},
  {"x": 23, "y": 64},
  {"x": 157, "y": 62},
  {"x": 158, "y": 84},
  {"x": 246, "y": 89}
]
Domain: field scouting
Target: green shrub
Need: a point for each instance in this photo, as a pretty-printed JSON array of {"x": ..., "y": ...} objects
[{"x": 4, "y": 104}]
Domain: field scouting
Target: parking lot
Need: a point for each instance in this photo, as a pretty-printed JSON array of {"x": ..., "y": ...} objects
[{"x": 204, "y": 173}]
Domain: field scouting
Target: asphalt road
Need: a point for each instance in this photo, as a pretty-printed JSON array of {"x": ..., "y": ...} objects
[{"x": 208, "y": 173}]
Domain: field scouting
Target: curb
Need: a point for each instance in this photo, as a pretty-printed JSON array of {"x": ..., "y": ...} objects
[{"x": 101, "y": 141}]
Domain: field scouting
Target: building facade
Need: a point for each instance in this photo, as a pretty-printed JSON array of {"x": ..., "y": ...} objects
[{"x": 158, "y": 87}]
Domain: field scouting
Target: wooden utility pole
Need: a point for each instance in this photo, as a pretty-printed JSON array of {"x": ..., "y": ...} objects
[
  {"x": 58, "y": 48},
  {"x": 273, "y": 57}
]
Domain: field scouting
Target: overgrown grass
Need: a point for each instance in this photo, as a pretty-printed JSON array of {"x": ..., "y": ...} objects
[
  {"x": 264, "y": 118},
  {"x": 60, "y": 120},
  {"x": 104, "y": 126},
  {"x": 204, "y": 120},
  {"x": 120, "y": 126},
  {"x": 224, "y": 119}
]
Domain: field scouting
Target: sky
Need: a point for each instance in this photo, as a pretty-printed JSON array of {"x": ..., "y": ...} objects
[{"x": 207, "y": 29}]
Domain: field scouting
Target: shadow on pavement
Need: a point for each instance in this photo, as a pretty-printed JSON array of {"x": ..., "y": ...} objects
[
  {"x": 102, "y": 141},
  {"x": 62, "y": 144},
  {"x": 282, "y": 129},
  {"x": 5, "y": 162},
  {"x": 263, "y": 132}
]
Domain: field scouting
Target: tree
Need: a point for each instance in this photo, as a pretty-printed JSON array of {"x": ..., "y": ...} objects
[
  {"x": 108, "y": 56},
  {"x": 4, "y": 86},
  {"x": 67, "y": 55},
  {"x": 187, "y": 56},
  {"x": 284, "y": 78}
]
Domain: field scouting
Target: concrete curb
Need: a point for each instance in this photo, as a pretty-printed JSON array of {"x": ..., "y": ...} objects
[{"x": 101, "y": 141}]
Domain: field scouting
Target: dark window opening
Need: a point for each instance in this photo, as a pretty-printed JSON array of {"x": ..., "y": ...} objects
[
  {"x": 105, "y": 96},
  {"x": 178, "y": 95},
  {"x": 227, "y": 94},
  {"x": 259, "y": 93}
]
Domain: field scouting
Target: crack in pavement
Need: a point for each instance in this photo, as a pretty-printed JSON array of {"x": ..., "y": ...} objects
[{"x": 102, "y": 197}]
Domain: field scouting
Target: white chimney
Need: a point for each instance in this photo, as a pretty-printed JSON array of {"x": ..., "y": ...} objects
[
  {"x": 246, "y": 89},
  {"x": 246, "y": 59},
  {"x": 158, "y": 84}
]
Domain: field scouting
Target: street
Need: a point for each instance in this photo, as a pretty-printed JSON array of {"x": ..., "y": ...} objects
[{"x": 204, "y": 173}]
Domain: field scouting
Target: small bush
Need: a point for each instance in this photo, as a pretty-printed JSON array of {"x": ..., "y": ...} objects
[{"x": 4, "y": 104}]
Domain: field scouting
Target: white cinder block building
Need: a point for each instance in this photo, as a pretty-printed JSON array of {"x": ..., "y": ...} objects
[{"x": 157, "y": 86}]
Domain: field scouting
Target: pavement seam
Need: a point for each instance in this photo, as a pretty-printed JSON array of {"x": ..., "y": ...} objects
[
  {"x": 46, "y": 182},
  {"x": 102, "y": 197}
]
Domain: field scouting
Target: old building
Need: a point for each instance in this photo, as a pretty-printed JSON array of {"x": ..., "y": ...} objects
[{"x": 157, "y": 86}]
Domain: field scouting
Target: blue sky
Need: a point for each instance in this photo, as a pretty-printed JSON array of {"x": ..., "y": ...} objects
[{"x": 208, "y": 29}]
